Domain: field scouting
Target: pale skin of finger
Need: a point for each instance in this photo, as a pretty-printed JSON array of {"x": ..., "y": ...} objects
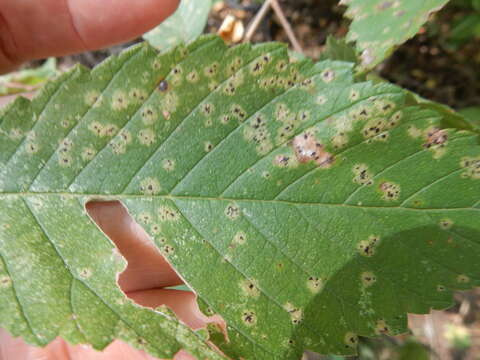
[
  {"x": 16, "y": 349},
  {"x": 42, "y": 28},
  {"x": 138, "y": 249}
]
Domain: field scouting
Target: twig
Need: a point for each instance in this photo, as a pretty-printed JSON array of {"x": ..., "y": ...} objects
[
  {"x": 286, "y": 25},
  {"x": 252, "y": 27}
]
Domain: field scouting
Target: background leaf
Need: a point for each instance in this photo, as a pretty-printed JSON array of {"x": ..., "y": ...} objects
[
  {"x": 339, "y": 49},
  {"x": 472, "y": 114},
  {"x": 328, "y": 209},
  {"x": 28, "y": 79},
  {"x": 185, "y": 25},
  {"x": 380, "y": 25}
]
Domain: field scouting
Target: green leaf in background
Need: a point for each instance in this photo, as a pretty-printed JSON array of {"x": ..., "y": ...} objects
[
  {"x": 339, "y": 49},
  {"x": 184, "y": 26},
  {"x": 302, "y": 207},
  {"x": 472, "y": 114},
  {"x": 413, "y": 350},
  {"x": 28, "y": 79},
  {"x": 380, "y": 25},
  {"x": 465, "y": 29}
]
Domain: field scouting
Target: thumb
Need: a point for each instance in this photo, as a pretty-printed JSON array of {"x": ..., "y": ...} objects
[{"x": 42, "y": 28}]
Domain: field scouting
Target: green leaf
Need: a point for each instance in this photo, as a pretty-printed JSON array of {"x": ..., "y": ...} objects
[
  {"x": 380, "y": 25},
  {"x": 451, "y": 118},
  {"x": 413, "y": 350},
  {"x": 339, "y": 49},
  {"x": 184, "y": 26},
  {"x": 472, "y": 114},
  {"x": 327, "y": 209},
  {"x": 465, "y": 29},
  {"x": 57, "y": 281}
]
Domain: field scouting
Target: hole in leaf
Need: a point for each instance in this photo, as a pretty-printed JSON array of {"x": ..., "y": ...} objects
[{"x": 149, "y": 280}]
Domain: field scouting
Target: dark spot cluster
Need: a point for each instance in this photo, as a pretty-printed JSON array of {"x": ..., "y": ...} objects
[
  {"x": 374, "y": 127},
  {"x": 328, "y": 75},
  {"x": 207, "y": 109},
  {"x": 257, "y": 67},
  {"x": 436, "y": 137},
  {"x": 238, "y": 112},
  {"x": 212, "y": 69},
  {"x": 390, "y": 190},
  {"x": 446, "y": 224},
  {"x": 225, "y": 119},
  {"x": 166, "y": 214},
  {"x": 97, "y": 128},
  {"x": 147, "y": 188},
  {"x": 472, "y": 166},
  {"x": 351, "y": 340},
  {"x": 65, "y": 160},
  {"x": 303, "y": 115},
  {"x": 235, "y": 65},
  {"x": 5, "y": 280},
  {"x": 147, "y": 112},
  {"x": 208, "y": 146},
  {"x": 285, "y": 131},
  {"x": 141, "y": 341},
  {"x": 368, "y": 278},
  {"x": 230, "y": 88},
  {"x": 65, "y": 145},
  {"x": 168, "y": 250},
  {"x": 307, "y": 83},
  {"x": 361, "y": 113},
  {"x": 367, "y": 247},
  {"x": 382, "y": 327},
  {"x": 257, "y": 130},
  {"x": 382, "y": 105},
  {"x": 314, "y": 284},
  {"x": 232, "y": 211},
  {"x": 270, "y": 82},
  {"x": 282, "y": 160},
  {"x": 395, "y": 119},
  {"x": 249, "y": 317},
  {"x": 138, "y": 95},
  {"x": 155, "y": 228},
  {"x": 281, "y": 65},
  {"x": 296, "y": 315},
  {"x": 362, "y": 175},
  {"x": 110, "y": 130},
  {"x": 193, "y": 77}
]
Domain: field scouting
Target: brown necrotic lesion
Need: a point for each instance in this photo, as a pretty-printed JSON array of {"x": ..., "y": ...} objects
[{"x": 307, "y": 148}]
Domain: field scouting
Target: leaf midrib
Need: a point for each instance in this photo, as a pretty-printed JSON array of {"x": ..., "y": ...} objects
[{"x": 108, "y": 197}]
